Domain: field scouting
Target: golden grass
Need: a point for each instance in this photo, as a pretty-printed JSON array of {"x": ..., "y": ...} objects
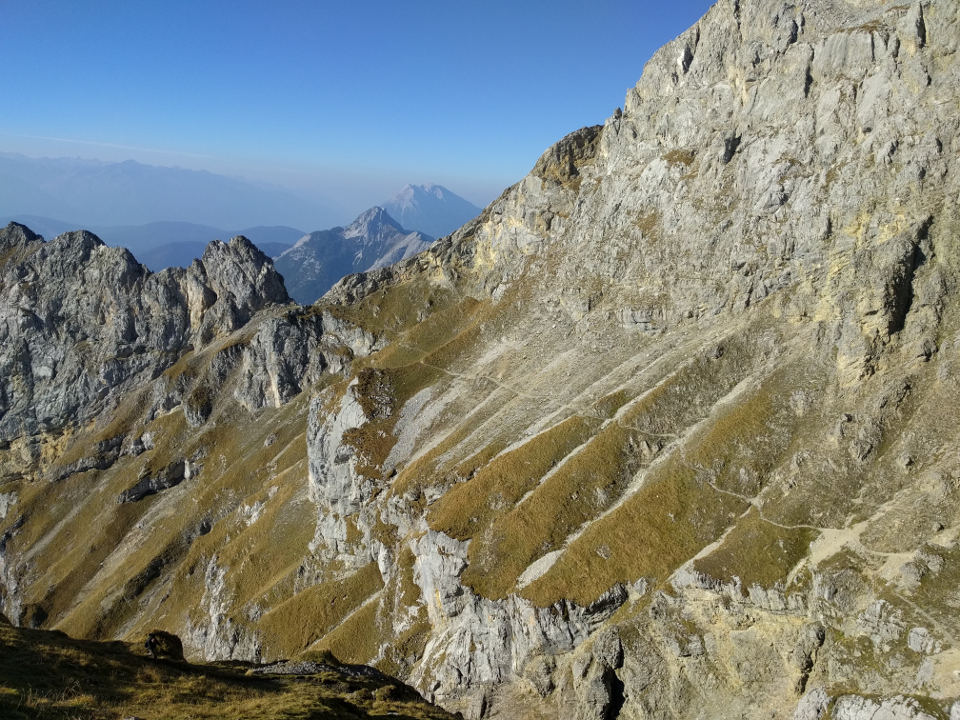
[
  {"x": 650, "y": 535},
  {"x": 237, "y": 465},
  {"x": 507, "y": 536},
  {"x": 358, "y": 638},
  {"x": 680, "y": 157},
  {"x": 676, "y": 511},
  {"x": 587, "y": 483},
  {"x": 294, "y": 625},
  {"x": 757, "y": 552},
  {"x": 501, "y": 482},
  {"x": 396, "y": 307}
]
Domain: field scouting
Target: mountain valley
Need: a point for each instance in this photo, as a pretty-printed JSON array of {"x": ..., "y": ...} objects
[{"x": 668, "y": 430}]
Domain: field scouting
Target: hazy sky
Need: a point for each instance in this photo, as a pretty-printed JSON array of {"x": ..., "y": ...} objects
[{"x": 347, "y": 99}]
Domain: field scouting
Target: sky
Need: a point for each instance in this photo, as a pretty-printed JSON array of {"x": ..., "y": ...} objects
[{"x": 345, "y": 100}]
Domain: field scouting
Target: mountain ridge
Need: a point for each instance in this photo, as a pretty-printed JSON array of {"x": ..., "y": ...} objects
[
  {"x": 166, "y": 243},
  {"x": 670, "y": 425},
  {"x": 319, "y": 259}
]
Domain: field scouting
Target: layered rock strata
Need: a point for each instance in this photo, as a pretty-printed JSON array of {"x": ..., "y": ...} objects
[{"x": 669, "y": 430}]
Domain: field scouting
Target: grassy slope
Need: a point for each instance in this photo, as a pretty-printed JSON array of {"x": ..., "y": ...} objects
[{"x": 49, "y": 675}]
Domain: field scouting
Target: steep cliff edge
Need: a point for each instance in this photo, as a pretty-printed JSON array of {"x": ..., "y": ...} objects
[{"x": 669, "y": 430}]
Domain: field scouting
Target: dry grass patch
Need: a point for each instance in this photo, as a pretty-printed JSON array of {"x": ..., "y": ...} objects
[
  {"x": 500, "y": 483},
  {"x": 189, "y": 523},
  {"x": 668, "y": 520},
  {"x": 507, "y": 537},
  {"x": 396, "y": 307},
  {"x": 757, "y": 552},
  {"x": 680, "y": 156},
  {"x": 297, "y": 623},
  {"x": 586, "y": 484},
  {"x": 358, "y": 638},
  {"x": 681, "y": 505}
]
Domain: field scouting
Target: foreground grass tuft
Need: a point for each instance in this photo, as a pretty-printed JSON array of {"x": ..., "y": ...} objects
[{"x": 46, "y": 674}]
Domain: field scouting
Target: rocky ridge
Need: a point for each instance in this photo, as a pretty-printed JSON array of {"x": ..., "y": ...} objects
[
  {"x": 320, "y": 259},
  {"x": 670, "y": 426}
]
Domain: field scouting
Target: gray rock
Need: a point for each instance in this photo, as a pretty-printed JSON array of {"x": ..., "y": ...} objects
[
  {"x": 882, "y": 623},
  {"x": 105, "y": 453},
  {"x": 169, "y": 477},
  {"x": 82, "y": 324},
  {"x": 539, "y": 673},
  {"x": 478, "y": 641},
  {"x": 813, "y": 705},
  {"x": 607, "y": 649},
  {"x": 855, "y": 707},
  {"x": 596, "y": 694},
  {"x": 920, "y": 640}
]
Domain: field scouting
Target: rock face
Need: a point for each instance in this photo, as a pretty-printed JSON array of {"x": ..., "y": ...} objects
[
  {"x": 669, "y": 430},
  {"x": 83, "y": 322},
  {"x": 109, "y": 368},
  {"x": 320, "y": 259}
]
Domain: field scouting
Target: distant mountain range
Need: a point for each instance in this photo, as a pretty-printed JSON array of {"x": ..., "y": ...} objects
[
  {"x": 310, "y": 263},
  {"x": 431, "y": 208},
  {"x": 39, "y": 190},
  {"x": 131, "y": 193},
  {"x": 320, "y": 259}
]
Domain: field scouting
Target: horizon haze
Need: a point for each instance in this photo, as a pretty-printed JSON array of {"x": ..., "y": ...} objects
[{"x": 338, "y": 107}]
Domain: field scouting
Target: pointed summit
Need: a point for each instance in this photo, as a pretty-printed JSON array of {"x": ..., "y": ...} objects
[
  {"x": 430, "y": 208},
  {"x": 373, "y": 240},
  {"x": 372, "y": 222}
]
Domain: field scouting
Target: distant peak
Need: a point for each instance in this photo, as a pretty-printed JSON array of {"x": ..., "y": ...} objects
[
  {"x": 431, "y": 208},
  {"x": 375, "y": 212},
  {"x": 370, "y": 219},
  {"x": 410, "y": 191}
]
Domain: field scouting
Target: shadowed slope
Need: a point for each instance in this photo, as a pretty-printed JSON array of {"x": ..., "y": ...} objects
[{"x": 49, "y": 675}]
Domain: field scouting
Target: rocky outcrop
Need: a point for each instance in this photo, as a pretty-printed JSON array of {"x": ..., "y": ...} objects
[
  {"x": 172, "y": 475},
  {"x": 83, "y": 323},
  {"x": 816, "y": 704},
  {"x": 484, "y": 643},
  {"x": 671, "y": 425}
]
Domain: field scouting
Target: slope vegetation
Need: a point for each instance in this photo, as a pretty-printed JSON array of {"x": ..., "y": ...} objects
[
  {"x": 671, "y": 425},
  {"x": 47, "y": 674}
]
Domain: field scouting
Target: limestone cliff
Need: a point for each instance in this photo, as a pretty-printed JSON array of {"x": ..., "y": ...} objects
[{"x": 669, "y": 430}]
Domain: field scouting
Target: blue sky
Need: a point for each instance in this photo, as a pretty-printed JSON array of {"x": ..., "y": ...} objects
[{"x": 345, "y": 99}]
